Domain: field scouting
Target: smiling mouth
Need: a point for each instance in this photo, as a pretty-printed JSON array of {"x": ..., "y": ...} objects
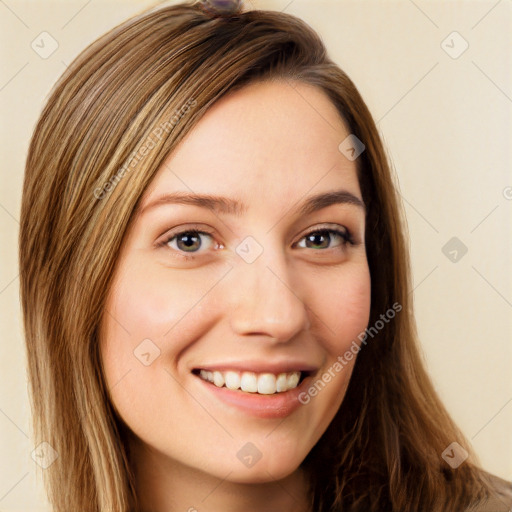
[{"x": 251, "y": 382}]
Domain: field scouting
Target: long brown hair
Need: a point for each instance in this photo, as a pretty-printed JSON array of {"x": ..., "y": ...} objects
[{"x": 152, "y": 78}]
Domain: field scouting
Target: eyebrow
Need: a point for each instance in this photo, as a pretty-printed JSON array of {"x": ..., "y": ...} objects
[{"x": 235, "y": 207}]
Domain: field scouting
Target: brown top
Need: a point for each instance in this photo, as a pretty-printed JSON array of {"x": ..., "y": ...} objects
[{"x": 501, "y": 502}]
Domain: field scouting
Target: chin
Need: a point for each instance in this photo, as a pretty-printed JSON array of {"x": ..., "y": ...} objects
[{"x": 275, "y": 467}]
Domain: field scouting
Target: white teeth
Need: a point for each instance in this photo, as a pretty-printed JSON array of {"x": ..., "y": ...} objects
[
  {"x": 293, "y": 380},
  {"x": 250, "y": 382},
  {"x": 282, "y": 382},
  {"x": 267, "y": 384},
  {"x": 218, "y": 379},
  {"x": 232, "y": 380}
]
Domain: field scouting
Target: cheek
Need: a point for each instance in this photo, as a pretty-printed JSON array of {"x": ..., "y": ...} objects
[
  {"x": 152, "y": 310},
  {"x": 341, "y": 304},
  {"x": 340, "y": 301},
  {"x": 150, "y": 318},
  {"x": 155, "y": 303}
]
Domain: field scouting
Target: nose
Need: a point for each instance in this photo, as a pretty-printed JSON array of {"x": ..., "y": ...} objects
[{"x": 264, "y": 301}]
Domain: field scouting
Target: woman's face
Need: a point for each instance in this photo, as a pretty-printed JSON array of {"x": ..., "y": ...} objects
[{"x": 254, "y": 295}]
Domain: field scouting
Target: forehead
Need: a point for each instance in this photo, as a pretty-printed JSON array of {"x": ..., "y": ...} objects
[{"x": 278, "y": 140}]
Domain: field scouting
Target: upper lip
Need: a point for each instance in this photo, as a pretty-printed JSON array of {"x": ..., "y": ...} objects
[{"x": 275, "y": 367}]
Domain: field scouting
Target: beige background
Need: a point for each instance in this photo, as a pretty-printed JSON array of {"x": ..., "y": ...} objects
[{"x": 447, "y": 125}]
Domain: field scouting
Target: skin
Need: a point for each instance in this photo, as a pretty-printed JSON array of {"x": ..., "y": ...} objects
[{"x": 271, "y": 145}]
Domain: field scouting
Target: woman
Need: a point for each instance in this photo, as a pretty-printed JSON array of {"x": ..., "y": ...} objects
[{"x": 215, "y": 283}]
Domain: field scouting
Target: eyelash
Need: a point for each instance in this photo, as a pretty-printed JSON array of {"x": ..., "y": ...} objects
[{"x": 346, "y": 237}]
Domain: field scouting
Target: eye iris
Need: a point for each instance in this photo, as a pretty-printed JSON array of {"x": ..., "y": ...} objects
[
  {"x": 189, "y": 239},
  {"x": 314, "y": 237}
]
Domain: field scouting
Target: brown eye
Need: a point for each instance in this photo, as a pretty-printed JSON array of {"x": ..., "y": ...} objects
[
  {"x": 321, "y": 239},
  {"x": 187, "y": 241}
]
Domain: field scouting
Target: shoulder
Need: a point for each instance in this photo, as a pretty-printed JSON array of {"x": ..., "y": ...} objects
[{"x": 500, "y": 501}]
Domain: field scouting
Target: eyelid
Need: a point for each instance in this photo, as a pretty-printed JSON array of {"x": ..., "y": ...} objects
[
  {"x": 171, "y": 233},
  {"x": 342, "y": 231},
  {"x": 327, "y": 227}
]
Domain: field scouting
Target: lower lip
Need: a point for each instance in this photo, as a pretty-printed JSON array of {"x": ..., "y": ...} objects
[{"x": 277, "y": 405}]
